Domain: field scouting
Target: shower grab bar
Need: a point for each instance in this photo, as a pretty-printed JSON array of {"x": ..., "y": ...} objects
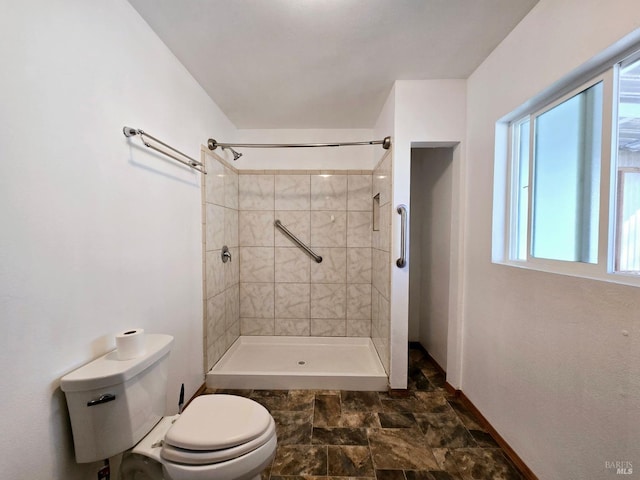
[
  {"x": 402, "y": 261},
  {"x": 193, "y": 163},
  {"x": 294, "y": 239}
]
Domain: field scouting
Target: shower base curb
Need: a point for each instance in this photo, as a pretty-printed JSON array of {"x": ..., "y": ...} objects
[{"x": 305, "y": 363}]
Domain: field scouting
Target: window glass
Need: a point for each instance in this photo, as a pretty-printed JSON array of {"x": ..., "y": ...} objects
[
  {"x": 566, "y": 173},
  {"x": 628, "y": 187}
]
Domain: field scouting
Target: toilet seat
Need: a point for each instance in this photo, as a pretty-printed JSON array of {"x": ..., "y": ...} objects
[
  {"x": 217, "y": 428},
  {"x": 206, "y": 457}
]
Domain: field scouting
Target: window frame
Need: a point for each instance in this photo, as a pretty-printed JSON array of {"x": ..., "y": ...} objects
[{"x": 604, "y": 269}]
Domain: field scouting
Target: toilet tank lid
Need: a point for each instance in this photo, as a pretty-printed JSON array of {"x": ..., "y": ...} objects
[{"x": 108, "y": 370}]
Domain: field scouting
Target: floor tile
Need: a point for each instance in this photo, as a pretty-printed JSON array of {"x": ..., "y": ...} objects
[
  {"x": 400, "y": 449},
  {"x": 466, "y": 416},
  {"x": 339, "y": 436},
  {"x": 360, "y": 401},
  {"x": 483, "y": 464},
  {"x": 483, "y": 439},
  {"x": 349, "y": 461},
  {"x": 327, "y": 411},
  {"x": 397, "y": 420},
  {"x": 430, "y": 475},
  {"x": 300, "y": 460},
  {"x": 390, "y": 475},
  {"x": 271, "y": 399},
  {"x": 444, "y": 430},
  {"x": 293, "y": 428}
]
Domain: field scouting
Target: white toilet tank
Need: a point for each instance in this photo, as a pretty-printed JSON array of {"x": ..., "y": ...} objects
[{"x": 114, "y": 403}]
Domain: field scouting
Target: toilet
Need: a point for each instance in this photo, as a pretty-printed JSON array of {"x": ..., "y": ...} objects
[{"x": 117, "y": 406}]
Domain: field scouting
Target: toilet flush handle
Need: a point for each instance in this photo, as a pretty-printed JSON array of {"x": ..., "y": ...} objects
[{"x": 104, "y": 398}]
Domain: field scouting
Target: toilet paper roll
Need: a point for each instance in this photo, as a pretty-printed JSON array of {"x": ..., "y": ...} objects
[{"x": 130, "y": 344}]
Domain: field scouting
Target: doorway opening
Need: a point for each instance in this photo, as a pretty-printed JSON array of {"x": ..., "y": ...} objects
[{"x": 431, "y": 249}]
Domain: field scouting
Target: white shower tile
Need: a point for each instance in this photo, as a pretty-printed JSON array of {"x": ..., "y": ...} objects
[
  {"x": 380, "y": 271},
  {"x": 358, "y": 265},
  {"x": 215, "y": 226},
  {"x": 256, "y": 326},
  {"x": 358, "y": 229},
  {"x": 232, "y": 305},
  {"x": 256, "y": 300},
  {"x": 214, "y": 181},
  {"x": 215, "y": 351},
  {"x": 292, "y": 192},
  {"x": 382, "y": 181},
  {"x": 255, "y": 192},
  {"x": 230, "y": 188},
  {"x": 332, "y": 269},
  {"x": 214, "y": 273},
  {"x": 292, "y": 265},
  {"x": 297, "y": 222},
  {"x": 328, "y": 327},
  {"x": 292, "y": 300},
  {"x": 359, "y": 193},
  {"x": 358, "y": 328},
  {"x": 375, "y": 310},
  {"x": 328, "y": 300},
  {"x": 293, "y": 326},
  {"x": 256, "y": 264},
  {"x": 255, "y": 229},
  {"x": 215, "y": 318},
  {"x": 232, "y": 335},
  {"x": 385, "y": 228},
  {"x": 231, "y": 269},
  {"x": 328, "y": 229},
  {"x": 383, "y": 317},
  {"x": 230, "y": 238},
  {"x": 359, "y": 301},
  {"x": 328, "y": 192}
]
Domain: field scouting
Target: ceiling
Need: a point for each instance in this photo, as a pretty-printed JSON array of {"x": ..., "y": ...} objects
[{"x": 324, "y": 63}]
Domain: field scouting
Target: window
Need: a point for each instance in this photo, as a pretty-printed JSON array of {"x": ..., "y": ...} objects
[
  {"x": 627, "y": 248},
  {"x": 566, "y": 173},
  {"x": 573, "y": 198}
]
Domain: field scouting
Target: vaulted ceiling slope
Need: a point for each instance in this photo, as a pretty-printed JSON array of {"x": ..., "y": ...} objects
[{"x": 324, "y": 63}]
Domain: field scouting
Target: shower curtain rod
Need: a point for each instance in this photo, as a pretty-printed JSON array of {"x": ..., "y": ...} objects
[{"x": 213, "y": 144}]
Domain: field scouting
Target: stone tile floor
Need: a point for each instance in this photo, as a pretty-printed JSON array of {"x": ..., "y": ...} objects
[{"x": 425, "y": 435}]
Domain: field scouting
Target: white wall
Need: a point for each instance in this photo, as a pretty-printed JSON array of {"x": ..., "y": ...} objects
[
  {"x": 545, "y": 356},
  {"x": 98, "y": 233},
  {"x": 426, "y": 113},
  {"x": 429, "y": 275}
]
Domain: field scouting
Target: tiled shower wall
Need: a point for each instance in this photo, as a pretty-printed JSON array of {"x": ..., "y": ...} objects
[
  {"x": 381, "y": 263},
  {"x": 271, "y": 287},
  {"x": 221, "y": 280},
  {"x": 282, "y": 290}
]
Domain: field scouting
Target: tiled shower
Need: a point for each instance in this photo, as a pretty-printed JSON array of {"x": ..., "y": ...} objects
[{"x": 270, "y": 286}]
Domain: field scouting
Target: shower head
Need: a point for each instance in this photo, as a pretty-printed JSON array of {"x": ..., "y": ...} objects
[{"x": 236, "y": 155}]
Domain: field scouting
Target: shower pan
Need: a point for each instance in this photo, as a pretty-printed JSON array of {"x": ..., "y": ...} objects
[{"x": 327, "y": 363}]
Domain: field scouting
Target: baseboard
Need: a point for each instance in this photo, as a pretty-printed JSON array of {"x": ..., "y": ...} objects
[{"x": 510, "y": 452}]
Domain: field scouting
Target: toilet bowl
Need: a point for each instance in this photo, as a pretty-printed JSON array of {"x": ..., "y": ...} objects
[
  {"x": 117, "y": 406},
  {"x": 222, "y": 437}
]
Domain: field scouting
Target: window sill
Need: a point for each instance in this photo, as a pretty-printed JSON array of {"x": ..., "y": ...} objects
[{"x": 570, "y": 270}]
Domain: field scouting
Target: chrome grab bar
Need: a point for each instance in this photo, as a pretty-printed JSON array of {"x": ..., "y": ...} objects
[
  {"x": 402, "y": 261},
  {"x": 294, "y": 239}
]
